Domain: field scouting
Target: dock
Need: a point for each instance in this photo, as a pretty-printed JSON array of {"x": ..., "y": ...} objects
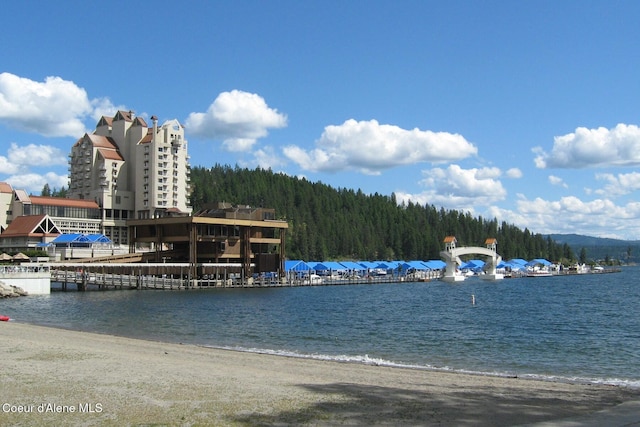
[{"x": 178, "y": 276}]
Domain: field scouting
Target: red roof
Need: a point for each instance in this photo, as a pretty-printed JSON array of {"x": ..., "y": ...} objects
[
  {"x": 148, "y": 137},
  {"x": 61, "y": 201},
  {"x": 110, "y": 154},
  {"x": 31, "y": 225},
  {"x": 5, "y": 188}
]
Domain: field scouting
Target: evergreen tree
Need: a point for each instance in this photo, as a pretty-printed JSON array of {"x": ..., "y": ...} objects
[
  {"x": 583, "y": 256},
  {"x": 327, "y": 223}
]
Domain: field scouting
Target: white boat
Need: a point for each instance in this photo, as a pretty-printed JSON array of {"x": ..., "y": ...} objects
[{"x": 539, "y": 272}]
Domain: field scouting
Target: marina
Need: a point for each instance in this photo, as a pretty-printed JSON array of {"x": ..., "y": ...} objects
[
  {"x": 125, "y": 271},
  {"x": 563, "y": 328}
]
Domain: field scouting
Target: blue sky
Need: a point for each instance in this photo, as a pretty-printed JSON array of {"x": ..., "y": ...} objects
[{"x": 524, "y": 111}]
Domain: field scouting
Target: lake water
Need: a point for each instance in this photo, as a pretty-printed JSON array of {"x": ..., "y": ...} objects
[{"x": 583, "y": 328}]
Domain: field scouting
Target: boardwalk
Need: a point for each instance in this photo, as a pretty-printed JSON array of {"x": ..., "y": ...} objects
[{"x": 177, "y": 276}]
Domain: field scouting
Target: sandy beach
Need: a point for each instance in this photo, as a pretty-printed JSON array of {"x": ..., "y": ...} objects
[{"x": 59, "y": 377}]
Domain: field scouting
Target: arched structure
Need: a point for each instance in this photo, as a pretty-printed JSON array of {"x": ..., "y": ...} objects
[{"x": 451, "y": 255}]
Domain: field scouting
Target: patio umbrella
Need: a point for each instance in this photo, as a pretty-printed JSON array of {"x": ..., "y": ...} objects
[
  {"x": 5, "y": 257},
  {"x": 21, "y": 257}
]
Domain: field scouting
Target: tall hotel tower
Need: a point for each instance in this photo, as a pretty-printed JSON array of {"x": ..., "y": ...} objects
[{"x": 131, "y": 171}]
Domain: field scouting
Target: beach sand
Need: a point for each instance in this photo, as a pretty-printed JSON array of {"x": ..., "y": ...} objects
[{"x": 107, "y": 380}]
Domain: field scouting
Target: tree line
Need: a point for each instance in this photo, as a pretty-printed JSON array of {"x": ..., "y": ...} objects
[{"x": 327, "y": 223}]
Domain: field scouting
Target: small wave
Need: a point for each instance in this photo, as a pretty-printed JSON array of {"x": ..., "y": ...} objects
[{"x": 376, "y": 361}]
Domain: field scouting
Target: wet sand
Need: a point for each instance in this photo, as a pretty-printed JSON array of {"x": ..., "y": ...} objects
[{"x": 58, "y": 377}]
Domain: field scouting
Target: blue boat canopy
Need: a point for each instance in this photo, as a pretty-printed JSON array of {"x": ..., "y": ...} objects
[
  {"x": 538, "y": 261},
  {"x": 80, "y": 240},
  {"x": 329, "y": 265},
  {"x": 296, "y": 265}
]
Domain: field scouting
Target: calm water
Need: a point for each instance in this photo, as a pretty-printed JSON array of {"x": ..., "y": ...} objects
[{"x": 578, "y": 328}]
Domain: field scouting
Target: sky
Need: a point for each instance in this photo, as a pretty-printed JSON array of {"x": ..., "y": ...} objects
[{"x": 523, "y": 111}]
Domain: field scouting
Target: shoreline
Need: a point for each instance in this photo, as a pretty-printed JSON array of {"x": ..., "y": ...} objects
[{"x": 110, "y": 380}]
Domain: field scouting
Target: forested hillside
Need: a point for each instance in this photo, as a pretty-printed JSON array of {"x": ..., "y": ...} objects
[
  {"x": 336, "y": 224},
  {"x": 597, "y": 248}
]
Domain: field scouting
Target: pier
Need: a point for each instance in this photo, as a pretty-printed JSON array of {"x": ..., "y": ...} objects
[{"x": 177, "y": 276}]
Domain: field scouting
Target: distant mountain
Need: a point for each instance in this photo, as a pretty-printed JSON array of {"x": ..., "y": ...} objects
[{"x": 599, "y": 248}]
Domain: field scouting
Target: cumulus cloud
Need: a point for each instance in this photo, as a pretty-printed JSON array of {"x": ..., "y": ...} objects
[
  {"x": 36, "y": 155},
  {"x": 599, "y": 217},
  {"x": 54, "y": 107},
  {"x": 7, "y": 166},
  {"x": 237, "y": 118},
  {"x": 555, "y": 180},
  {"x": 104, "y": 107},
  {"x": 457, "y": 188},
  {"x": 267, "y": 158},
  {"x": 583, "y": 148},
  {"x": 33, "y": 182},
  {"x": 22, "y": 160},
  {"x": 370, "y": 147},
  {"x": 618, "y": 185},
  {"x": 514, "y": 173}
]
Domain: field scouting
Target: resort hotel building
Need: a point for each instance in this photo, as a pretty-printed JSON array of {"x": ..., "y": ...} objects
[{"x": 123, "y": 170}]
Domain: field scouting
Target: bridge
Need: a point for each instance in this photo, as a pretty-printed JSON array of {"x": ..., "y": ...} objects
[{"x": 451, "y": 256}]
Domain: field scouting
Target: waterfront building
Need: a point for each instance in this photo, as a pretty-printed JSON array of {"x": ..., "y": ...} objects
[
  {"x": 250, "y": 238},
  {"x": 123, "y": 170},
  {"x": 30, "y": 232},
  {"x": 32, "y": 222},
  {"x": 131, "y": 171}
]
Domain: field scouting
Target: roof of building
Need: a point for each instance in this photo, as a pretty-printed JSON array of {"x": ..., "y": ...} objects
[
  {"x": 105, "y": 121},
  {"x": 62, "y": 201},
  {"x": 22, "y": 196},
  {"x": 148, "y": 137},
  {"x": 123, "y": 115},
  {"x": 449, "y": 239},
  {"x": 73, "y": 238},
  {"x": 110, "y": 154},
  {"x": 98, "y": 141},
  {"x": 30, "y": 225},
  {"x": 5, "y": 187},
  {"x": 139, "y": 121}
]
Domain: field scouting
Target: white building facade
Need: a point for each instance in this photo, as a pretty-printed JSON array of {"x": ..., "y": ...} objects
[{"x": 131, "y": 171}]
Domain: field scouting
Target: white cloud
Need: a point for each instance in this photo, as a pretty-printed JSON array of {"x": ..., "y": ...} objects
[
  {"x": 33, "y": 182},
  {"x": 54, "y": 107},
  {"x": 514, "y": 173},
  {"x": 266, "y": 158},
  {"x": 370, "y": 147},
  {"x": 237, "y": 118},
  {"x": 7, "y": 166},
  {"x": 600, "y": 217},
  {"x": 620, "y": 184},
  {"x": 457, "y": 188},
  {"x": 619, "y": 146},
  {"x": 104, "y": 107},
  {"x": 36, "y": 155},
  {"x": 555, "y": 180}
]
